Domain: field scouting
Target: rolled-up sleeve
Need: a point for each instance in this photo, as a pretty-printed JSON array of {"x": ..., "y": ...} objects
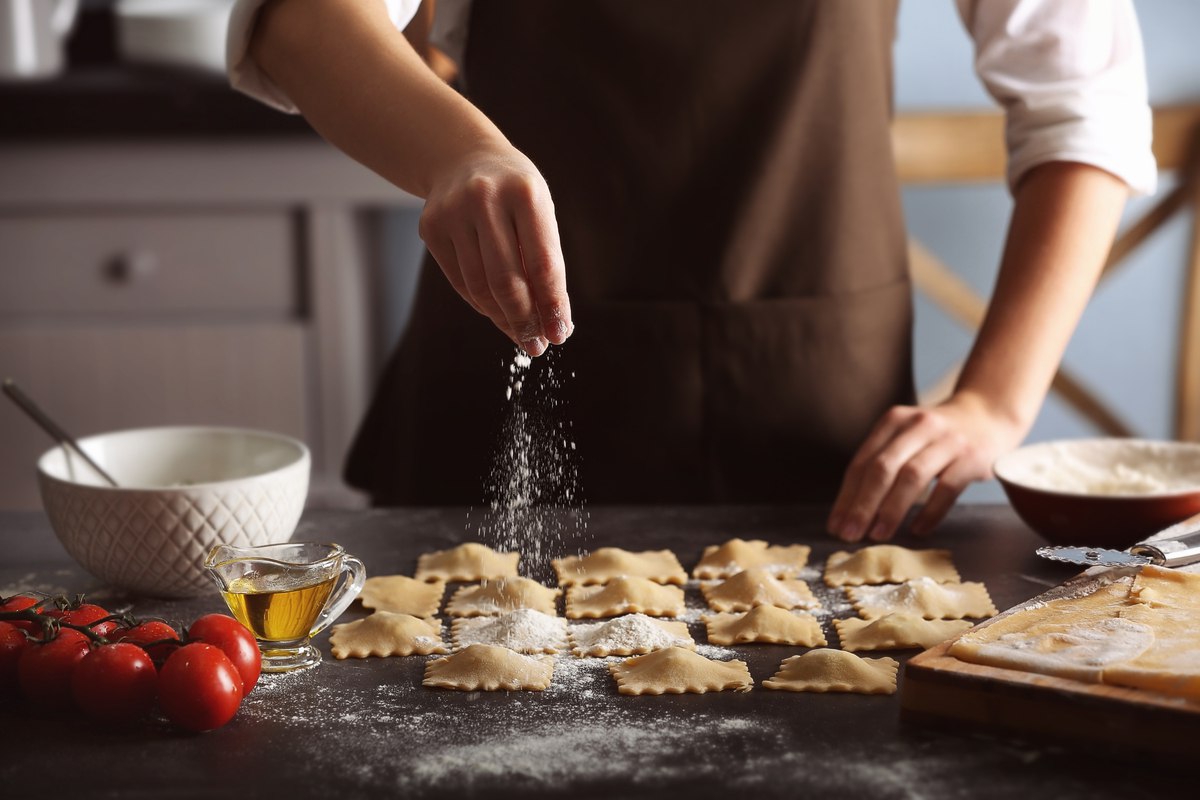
[
  {"x": 244, "y": 74},
  {"x": 1071, "y": 77}
]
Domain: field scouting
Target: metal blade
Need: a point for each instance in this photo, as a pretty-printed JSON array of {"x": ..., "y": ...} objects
[{"x": 1092, "y": 556}]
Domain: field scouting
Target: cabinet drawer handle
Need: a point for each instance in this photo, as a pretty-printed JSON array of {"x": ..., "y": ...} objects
[{"x": 133, "y": 266}]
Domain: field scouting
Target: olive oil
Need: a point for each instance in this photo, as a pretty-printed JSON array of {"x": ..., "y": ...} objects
[{"x": 277, "y": 614}]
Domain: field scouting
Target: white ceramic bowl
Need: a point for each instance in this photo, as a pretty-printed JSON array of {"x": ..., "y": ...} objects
[
  {"x": 181, "y": 491},
  {"x": 1102, "y": 492}
]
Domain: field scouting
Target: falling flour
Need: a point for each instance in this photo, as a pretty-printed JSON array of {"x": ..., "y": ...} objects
[{"x": 534, "y": 502}]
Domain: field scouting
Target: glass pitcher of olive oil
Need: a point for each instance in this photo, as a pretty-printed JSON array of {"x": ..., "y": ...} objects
[{"x": 286, "y": 594}]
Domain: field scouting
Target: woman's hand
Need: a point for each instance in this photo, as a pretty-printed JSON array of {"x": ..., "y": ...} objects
[
  {"x": 489, "y": 223},
  {"x": 488, "y": 217},
  {"x": 948, "y": 446}
]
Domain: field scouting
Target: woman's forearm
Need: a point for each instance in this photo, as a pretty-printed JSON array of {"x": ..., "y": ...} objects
[
  {"x": 364, "y": 88},
  {"x": 1062, "y": 227},
  {"x": 1063, "y": 223},
  {"x": 488, "y": 218}
]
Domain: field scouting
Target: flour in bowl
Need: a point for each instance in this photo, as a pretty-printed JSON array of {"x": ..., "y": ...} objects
[{"x": 1105, "y": 467}]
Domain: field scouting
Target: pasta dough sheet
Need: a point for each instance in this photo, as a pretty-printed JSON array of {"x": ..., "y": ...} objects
[
  {"x": 628, "y": 636},
  {"x": 1136, "y": 631},
  {"x": 765, "y": 624},
  {"x": 501, "y": 596},
  {"x": 757, "y": 587},
  {"x": 384, "y": 634},
  {"x": 467, "y": 562},
  {"x": 888, "y": 563},
  {"x": 897, "y": 631},
  {"x": 606, "y": 563},
  {"x": 835, "y": 671},
  {"x": 624, "y": 596},
  {"x": 402, "y": 595},
  {"x": 924, "y": 597},
  {"x": 676, "y": 670},
  {"x": 487, "y": 668},
  {"x": 726, "y": 560}
]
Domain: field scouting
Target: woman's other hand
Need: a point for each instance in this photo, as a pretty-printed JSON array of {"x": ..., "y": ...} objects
[{"x": 947, "y": 446}]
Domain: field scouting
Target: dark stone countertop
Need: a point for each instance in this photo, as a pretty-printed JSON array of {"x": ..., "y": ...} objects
[{"x": 361, "y": 728}]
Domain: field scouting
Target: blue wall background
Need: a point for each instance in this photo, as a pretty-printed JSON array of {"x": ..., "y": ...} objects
[{"x": 1125, "y": 346}]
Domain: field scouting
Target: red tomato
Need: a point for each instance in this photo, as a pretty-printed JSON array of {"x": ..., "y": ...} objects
[
  {"x": 12, "y": 643},
  {"x": 44, "y": 669},
  {"x": 235, "y": 640},
  {"x": 20, "y": 602},
  {"x": 87, "y": 613},
  {"x": 115, "y": 682},
  {"x": 199, "y": 688},
  {"x": 150, "y": 632}
]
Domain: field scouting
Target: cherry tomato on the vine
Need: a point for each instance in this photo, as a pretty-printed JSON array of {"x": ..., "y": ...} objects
[
  {"x": 20, "y": 602},
  {"x": 199, "y": 688},
  {"x": 86, "y": 615},
  {"x": 44, "y": 669},
  {"x": 115, "y": 682},
  {"x": 235, "y": 640},
  {"x": 147, "y": 632}
]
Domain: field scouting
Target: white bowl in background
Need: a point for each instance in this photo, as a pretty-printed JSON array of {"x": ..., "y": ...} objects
[
  {"x": 186, "y": 33},
  {"x": 182, "y": 490}
]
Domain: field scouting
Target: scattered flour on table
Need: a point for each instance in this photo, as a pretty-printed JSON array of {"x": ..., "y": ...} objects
[
  {"x": 573, "y": 732},
  {"x": 533, "y": 494}
]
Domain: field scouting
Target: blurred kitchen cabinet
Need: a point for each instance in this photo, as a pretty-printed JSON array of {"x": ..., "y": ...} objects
[{"x": 178, "y": 282}]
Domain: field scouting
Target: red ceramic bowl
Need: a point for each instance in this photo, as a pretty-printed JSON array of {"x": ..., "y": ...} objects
[{"x": 1102, "y": 492}]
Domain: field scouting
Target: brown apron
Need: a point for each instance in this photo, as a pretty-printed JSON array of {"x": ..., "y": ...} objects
[{"x": 735, "y": 250}]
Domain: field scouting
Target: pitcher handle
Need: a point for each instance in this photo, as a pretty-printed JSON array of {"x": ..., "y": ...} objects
[{"x": 354, "y": 573}]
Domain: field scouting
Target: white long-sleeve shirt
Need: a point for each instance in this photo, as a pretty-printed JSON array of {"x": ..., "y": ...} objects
[{"x": 1070, "y": 75}]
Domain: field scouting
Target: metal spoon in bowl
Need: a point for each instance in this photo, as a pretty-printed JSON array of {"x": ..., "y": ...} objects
[{"x": 51, "y": 427}]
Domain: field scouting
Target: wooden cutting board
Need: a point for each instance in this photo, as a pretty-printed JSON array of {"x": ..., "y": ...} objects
[{"x": 941, "y": 690}]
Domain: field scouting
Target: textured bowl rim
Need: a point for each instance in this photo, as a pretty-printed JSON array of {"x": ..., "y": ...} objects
[
  {"x": 1000, "y": 463},
  {"x": 303, "y": 457}
]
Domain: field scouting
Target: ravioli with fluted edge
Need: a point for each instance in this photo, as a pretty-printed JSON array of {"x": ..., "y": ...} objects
[
  {"x": 629, "y": 635},
  {"x": 888, "y": 563},
  {"x": 767, "y": 625},
  {"x": 896, "y": 631},
  {"x": 735, "y": 555},
  {"x": 676, "y": 670},
  {"x": 924, "y": 597},
  {"x": 489, "y": 668},
  {"x": 624, "y": 596},
  {"x": 607, "y": 563},
  {"x": 467, "y": 562},
  {"x": 386, "y": 633},
  {"x": 835, "y": 671},
  {"x": 501, "y": 595},
  {"x": 757, "y": 587},
  {"x": 402, "y": 595}
]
